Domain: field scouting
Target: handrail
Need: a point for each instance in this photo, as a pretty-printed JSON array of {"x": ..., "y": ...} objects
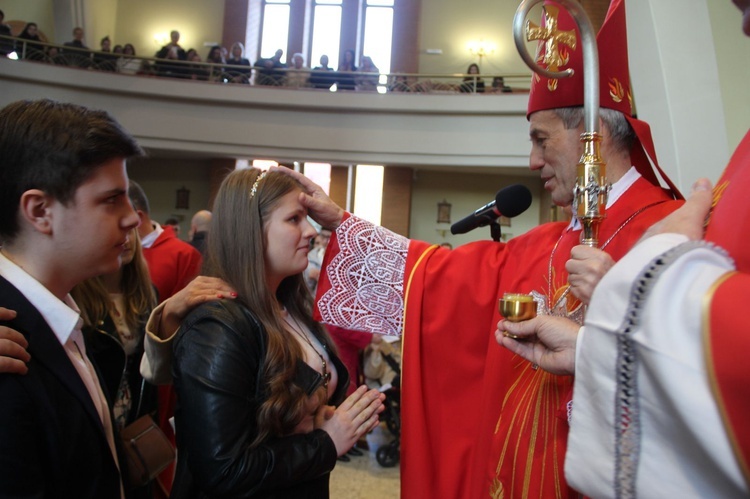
[{"x": 282, "y": 77}]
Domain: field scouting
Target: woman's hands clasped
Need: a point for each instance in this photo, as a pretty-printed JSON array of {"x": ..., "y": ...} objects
[{"x": 353, "y": 419}]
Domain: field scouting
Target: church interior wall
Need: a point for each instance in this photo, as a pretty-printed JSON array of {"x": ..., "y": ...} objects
[
  {"x": 465, "y": 192},
  {"x": 444, "y": 25},
  {"x": 733, "y": 61},
  {"x": 162, "y": 177}
]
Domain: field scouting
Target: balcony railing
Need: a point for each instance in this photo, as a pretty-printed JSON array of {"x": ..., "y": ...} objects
[{"x": 281, "y": 77}]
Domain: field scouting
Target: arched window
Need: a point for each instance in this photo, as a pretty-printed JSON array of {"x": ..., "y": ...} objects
[
  {"x": 317, "y": 27},
  {"x": 326, "y": 31},
  {"x": 379, "y": 33},
  {"x": 275, "y": 32}
]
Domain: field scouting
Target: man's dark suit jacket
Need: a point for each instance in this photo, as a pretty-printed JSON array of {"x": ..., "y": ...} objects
[{"x": 52, "y": 442}]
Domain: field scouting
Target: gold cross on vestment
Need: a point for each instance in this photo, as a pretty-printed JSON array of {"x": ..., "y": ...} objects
[{"x": 554, "y": 56}]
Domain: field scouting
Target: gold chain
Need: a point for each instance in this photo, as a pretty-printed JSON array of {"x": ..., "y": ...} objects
[
  {"x": 326, "y": 373},
  {"x": 606, "y": 243}
]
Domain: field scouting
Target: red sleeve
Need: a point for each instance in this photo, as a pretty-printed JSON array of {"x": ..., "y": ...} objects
[{"x": 729, "y": 342}]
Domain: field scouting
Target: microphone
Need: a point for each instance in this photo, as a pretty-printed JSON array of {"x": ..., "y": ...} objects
[{"x": 509, "y": 202}]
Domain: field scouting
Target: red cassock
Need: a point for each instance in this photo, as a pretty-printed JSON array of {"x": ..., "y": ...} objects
[
  {"x": 477, "y": 421},
  {"x": 172, "y": 264},
  {"x": 728, "y": 330}
]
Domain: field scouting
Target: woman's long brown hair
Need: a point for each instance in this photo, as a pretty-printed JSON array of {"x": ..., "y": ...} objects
[{"x": 236, "y": 254}]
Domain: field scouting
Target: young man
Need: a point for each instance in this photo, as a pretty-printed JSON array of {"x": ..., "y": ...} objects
[{"x": 64, "y": 217}]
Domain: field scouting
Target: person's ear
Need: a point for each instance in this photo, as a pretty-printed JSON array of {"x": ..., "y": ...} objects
[{"x": 36, "y": 210}]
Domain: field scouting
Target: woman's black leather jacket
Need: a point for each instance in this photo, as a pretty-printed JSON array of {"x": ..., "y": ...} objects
[{"x": 218, "y": 355}]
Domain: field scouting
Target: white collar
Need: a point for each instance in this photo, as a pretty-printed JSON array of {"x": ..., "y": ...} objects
[
  {"x": 61, "y": 316},
  {"x": 152, "y": 236},
  {"x": 617, "y": 190}
]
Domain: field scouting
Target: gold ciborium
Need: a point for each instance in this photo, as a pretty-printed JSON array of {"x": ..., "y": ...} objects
[{"x": 516, "y": 308}]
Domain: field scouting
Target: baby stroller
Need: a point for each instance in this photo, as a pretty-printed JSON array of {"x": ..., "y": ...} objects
[{"x": 382, "y": 370}]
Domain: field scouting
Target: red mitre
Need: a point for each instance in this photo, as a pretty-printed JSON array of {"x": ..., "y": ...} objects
[{"x": 560, "y": 48}]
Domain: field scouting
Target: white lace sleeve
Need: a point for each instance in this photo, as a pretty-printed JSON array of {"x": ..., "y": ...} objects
[{"x": 366, "y": 278}]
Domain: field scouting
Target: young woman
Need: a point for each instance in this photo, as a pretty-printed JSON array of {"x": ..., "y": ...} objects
[
  {"x": 256, "y": 378},
  {"x": 129, "y": 63},
  {"x": 472, "y": 84},
  {"x": 239, "y": 74},
  {"x": 346, "y": 82},
  {"x": 215, "y": 57},
  {"x": 31, "y": 47},
  {"x": 114, "y": 308}
]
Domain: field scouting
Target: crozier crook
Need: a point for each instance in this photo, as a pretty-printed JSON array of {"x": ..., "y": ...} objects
[{"x": 591, "y": 190}]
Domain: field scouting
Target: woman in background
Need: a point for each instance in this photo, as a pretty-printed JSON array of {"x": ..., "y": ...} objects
[
  {"x": 128, "y": 63},
  {"x": 115, "y": 308},
  {"x": 240, "y": 74},
  {"x": 472, "y": 84},
  {"x": 215, "y": 57},
  {"x": 31, "y": 47},
  {"x": 346, "y": 82}
]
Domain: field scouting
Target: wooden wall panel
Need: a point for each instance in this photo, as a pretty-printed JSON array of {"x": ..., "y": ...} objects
[
  {"x": 339, "y": 180},
  {"x": 396, "y": 209}
]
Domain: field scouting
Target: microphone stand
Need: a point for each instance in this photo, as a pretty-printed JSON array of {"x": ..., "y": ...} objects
[{"x": 495, "y": 231}]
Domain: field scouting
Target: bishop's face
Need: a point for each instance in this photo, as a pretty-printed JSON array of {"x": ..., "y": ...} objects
[{"x": 555, "y": 153}]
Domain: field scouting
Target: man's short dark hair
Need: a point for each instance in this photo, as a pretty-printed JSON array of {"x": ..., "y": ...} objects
[
  {"x": 54, "y": 147},
  {"x": 138, "y": 197}
]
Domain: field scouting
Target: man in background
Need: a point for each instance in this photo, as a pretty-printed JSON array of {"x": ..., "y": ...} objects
[
  {"x": 77, "y": 57},
  {"x": 172, "y": 264},
  {"x": 77, "y": 41},
  {"x": 6, "y": 46},
  {"x": 174, "y": 44},
  {"x": 199, "y": 227},
  {"x": 174, "y": 223}
]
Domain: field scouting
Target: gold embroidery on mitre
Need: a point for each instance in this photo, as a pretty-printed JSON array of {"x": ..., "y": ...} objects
[
  {"x": 616, "y": 90},
  {"x": 555, "y": 54},
  {"x": 632, "y": 104}
]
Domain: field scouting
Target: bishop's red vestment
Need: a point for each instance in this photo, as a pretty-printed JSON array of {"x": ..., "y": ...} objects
[{"x": 477, "y": 421}]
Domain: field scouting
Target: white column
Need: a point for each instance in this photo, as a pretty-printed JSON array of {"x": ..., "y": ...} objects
[{"x": 676, "y": 86}]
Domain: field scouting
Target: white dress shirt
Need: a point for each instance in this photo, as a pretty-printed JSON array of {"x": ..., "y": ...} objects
[{"x": 64, "y": 318}]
